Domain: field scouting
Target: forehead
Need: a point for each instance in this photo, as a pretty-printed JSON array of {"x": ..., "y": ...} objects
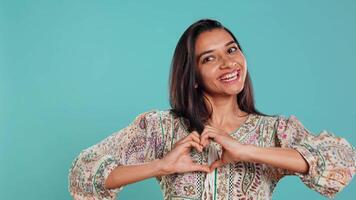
[{"x": 212, "y": 39}]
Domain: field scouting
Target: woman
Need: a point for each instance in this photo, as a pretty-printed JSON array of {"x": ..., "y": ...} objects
[{"x": 213, "y": 143}]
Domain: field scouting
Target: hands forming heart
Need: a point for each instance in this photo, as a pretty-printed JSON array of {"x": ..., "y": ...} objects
[
  {"x": 232, "y": 150},
  {"x": 178, "y": 160}
]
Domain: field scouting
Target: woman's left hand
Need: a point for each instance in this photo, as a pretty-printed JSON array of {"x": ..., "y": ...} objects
[{"x": 232, "y": 150}]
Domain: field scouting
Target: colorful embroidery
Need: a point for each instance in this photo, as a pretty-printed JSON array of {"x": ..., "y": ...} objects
[{"x": 153, "y": 134}]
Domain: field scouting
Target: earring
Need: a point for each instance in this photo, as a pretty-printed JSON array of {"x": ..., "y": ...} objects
[{"x": 195, "y": 85}]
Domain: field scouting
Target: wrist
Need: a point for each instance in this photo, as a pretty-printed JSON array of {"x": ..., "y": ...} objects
[
  {"x": 162, "y": 168},
  {"x": 248, "y": 153}
]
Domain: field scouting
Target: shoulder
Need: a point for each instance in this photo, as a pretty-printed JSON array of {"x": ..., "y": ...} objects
[
  {"x": 279, "y": 120},
  {"x": 267, "y": 119},
  {"x": 155, "y": 116},
  {"x": 149, "y": 115},
  {"x": 156, "y": 113}
]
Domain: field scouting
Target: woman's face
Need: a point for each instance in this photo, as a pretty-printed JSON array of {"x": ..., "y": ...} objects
[{"x": 220, "y": 63}]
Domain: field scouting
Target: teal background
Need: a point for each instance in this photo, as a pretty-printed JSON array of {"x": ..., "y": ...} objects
[{"x": 73, "y": 72}]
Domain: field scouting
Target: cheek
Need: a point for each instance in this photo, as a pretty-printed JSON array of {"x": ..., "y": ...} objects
[
  {"x": 244, "y": 66},
  {"x": 208, "y": 75},
  {"x": 243, "y": 75}
]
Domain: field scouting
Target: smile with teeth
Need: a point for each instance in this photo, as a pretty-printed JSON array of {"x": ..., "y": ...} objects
[{"x": 229, "y": 77}]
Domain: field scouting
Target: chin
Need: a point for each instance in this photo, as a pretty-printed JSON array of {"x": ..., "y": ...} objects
[
  {"x": 236, "y": 92},
  {"x": 232, "y": 93}
]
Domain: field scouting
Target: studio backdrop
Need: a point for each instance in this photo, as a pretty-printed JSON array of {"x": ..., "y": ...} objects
[{"x": 74, "y": 72}]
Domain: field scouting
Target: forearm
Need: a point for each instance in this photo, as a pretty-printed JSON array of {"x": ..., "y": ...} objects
[
  {"x": 123, "y": 175},
  {"x": 285, "y": 158}
]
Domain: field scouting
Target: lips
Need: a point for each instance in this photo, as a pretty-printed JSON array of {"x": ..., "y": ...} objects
[{"x": 230, "y": 76}]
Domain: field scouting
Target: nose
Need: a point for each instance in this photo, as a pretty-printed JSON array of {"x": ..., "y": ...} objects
[{"x": 227, "y": 62}]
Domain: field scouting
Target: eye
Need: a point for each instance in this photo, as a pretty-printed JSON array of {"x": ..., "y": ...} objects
[
  {"x": 232, "y": 50},
  {"x": 207, "y": 59}
]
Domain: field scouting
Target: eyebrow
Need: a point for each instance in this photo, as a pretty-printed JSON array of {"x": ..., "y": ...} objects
[{"x": 209, "y": 51}]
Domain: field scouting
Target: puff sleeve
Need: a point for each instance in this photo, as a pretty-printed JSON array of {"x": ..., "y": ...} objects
[
  {"x": 331, "y": 159},
  {"x": 139, "y": 142}
]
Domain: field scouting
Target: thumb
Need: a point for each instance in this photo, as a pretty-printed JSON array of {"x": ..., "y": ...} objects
[
  {"x": 203, "y": 168},
  {"x": 216, "y": 164}
]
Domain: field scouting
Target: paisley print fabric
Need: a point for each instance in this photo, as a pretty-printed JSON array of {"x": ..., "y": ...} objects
[{"x": 153, "y": 134}]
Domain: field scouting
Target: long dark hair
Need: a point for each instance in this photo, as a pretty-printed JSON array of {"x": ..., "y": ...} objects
[{"x": 187, "y": 101}]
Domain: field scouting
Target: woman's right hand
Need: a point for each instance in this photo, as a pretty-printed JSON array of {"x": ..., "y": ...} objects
[{"x": 178, "y": 160}]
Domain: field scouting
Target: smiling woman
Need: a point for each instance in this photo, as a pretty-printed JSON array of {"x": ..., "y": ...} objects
[
  {"x": 212, "y": 143},
  {"x": 210, "y": 58}
]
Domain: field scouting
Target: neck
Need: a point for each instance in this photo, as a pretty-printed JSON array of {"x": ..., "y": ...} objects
[{"x": 224, "y": 109}]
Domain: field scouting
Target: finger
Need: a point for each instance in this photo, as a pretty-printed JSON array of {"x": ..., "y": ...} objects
[
  {"x": 206, "y": 136},
  {"x": 189, "y": 137},
  {"x": 195, "y": 137},
  {"x": 216, "y": 137},
  {"x": 213, "y": 128},
  {"x": 190, "y": 144},
  {"x": 195, "y": 133},
  {"x": 209, "y": 127},
  {"x": 203, "y": 140},
  {"x": 203, "y": 168},
  {"x": 217, "y": 130},
  {"x": 216, "y": 164}
]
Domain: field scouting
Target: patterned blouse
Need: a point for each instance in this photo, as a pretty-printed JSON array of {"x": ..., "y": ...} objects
[{"x": 152, "y": 134}]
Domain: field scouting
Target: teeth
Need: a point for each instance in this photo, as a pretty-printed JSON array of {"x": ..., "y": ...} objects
[
  {"x": 229, "y": 79},
  {"x": 228, "y": 76}
]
